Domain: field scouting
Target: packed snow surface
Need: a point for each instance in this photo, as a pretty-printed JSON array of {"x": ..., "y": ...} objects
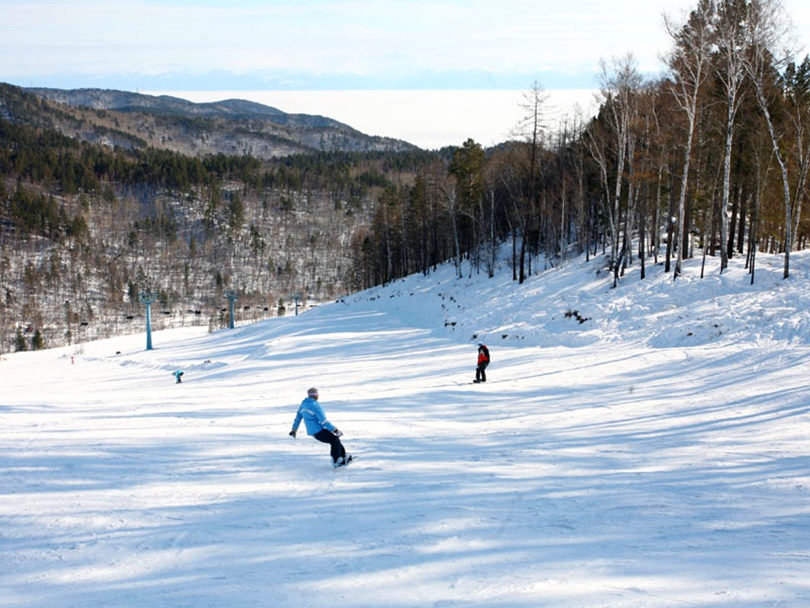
[{"x": 643, "y": 446}]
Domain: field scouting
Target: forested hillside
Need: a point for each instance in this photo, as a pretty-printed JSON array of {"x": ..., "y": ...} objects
[
  {"x": 160, "y": 196},
  {"x": 88, "y": 227},
  {"x": 230, "y": 127}
]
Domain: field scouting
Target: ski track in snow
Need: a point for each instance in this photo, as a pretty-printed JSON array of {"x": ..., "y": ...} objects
[{"x": 654, "y": 455}]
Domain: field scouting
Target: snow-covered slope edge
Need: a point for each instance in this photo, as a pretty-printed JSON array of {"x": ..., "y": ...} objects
[{"x": 575, "y": 305}]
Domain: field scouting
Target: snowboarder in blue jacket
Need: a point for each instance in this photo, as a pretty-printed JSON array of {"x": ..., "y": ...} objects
[{"x": 320, "y": 428}]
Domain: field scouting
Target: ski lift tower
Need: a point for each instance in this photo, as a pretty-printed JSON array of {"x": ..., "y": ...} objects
[
  {"x": 232, "y": 297},
  {"x": 147, "y": 298},
  {"x": 296, "y": 298}
]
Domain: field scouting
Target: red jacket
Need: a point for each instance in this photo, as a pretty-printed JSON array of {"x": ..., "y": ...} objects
[{"x": 483, "y": 354}]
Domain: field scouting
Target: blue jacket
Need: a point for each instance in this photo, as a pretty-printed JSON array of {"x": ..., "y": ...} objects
[{"x": 313, "y": 416}]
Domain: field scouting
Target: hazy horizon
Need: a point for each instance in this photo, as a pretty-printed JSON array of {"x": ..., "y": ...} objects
[{"x": 428, "y": 119}]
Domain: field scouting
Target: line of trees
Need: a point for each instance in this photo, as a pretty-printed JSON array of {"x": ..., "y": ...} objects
[{"x": 714, "y": 154}]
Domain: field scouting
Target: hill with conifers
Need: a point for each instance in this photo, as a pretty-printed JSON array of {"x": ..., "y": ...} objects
[
  {"x": 108, "y": 195},
  {"x": 232, "y": 127}
]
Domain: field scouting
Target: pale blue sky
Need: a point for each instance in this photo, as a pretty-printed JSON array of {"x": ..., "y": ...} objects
[
  {"x": 328, "y": 44},
  {"x": 368, "y": 63}
]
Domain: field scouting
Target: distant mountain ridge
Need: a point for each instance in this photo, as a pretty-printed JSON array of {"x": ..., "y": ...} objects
[
  {"x": 232, "y": 126},
  {"x": 126, "y": 101}
]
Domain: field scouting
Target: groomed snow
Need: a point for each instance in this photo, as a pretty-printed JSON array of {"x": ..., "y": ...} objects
[{"x": 653, "y": 455}]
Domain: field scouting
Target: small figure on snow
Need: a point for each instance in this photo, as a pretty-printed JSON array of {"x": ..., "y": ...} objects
[
  {"x": 320, "y": 428},
  {"x": 179, "y": 375},
  {"x": 483, "y": 362}
]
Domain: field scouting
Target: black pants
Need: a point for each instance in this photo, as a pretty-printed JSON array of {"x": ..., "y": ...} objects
[
  {"x": 480, "y": 372},
  {"x": 338, "y": 451}
]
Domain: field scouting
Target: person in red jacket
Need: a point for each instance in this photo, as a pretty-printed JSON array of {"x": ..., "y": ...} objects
[{"x": 483, "y": 362}]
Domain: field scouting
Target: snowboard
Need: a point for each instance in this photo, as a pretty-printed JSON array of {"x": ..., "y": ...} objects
[{"x": 349, "y": 459}]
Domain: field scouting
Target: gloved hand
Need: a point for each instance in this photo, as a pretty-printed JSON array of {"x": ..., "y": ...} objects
[
  {"x": 337, "y": 433},
  {"x": 292, "y": 434}
]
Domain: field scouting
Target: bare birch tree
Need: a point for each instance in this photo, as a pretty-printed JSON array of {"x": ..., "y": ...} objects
[
  {"x": 797, "y": 91},
  {"x": 619, "y": 85},
  {"x": 768, "y": 27},
  {"x": 733, "y": 42},
  {"x": 689, "y": 61}
]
